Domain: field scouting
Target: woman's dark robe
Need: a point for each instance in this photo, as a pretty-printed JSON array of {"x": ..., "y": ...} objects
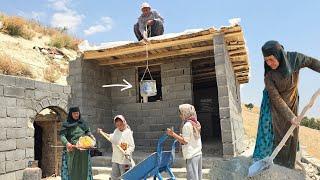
[
  {"x": 284, "y": 99},
  {"x": 76, "y": 164}
]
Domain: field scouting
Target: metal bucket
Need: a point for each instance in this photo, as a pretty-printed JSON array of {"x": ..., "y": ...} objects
[{"x": 148, "y": 88}]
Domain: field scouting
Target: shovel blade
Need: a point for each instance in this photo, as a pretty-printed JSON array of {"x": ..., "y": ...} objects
[{"x": 259, "y": 166}]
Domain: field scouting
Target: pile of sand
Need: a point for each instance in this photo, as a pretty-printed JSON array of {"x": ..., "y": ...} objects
[{"x": 237, "y": 169}]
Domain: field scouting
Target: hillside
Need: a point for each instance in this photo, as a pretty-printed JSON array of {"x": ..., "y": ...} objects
[
  {"x": 34, "y": 51},
  {"x": 309, "y": 138}
]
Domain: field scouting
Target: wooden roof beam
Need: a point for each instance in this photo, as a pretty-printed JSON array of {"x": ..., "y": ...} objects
[
  {"x": 159, "y": 45},
  {"x": 159, "y": 56}
]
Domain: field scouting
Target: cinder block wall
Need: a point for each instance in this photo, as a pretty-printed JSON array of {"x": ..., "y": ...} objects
[
  {"x": 232, "y": 131},
  {"x": 149, "y": 120},
  {"x": 20, "y": 100}
]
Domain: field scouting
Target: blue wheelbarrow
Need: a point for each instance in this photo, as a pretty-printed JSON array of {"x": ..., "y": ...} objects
[{"x": 154, "y": 164}]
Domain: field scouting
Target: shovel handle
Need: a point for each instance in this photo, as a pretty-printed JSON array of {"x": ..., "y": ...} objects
[
  {"x": 291, "y": 129},
  {"x": 105, "y": 135}
]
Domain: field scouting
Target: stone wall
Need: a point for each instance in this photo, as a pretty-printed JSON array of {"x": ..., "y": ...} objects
[
  {"x": 232, "y": 130},
  {"x": 20, "y": 100}
]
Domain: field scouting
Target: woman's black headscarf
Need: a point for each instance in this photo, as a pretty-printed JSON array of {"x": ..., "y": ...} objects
[
  {"x": 289, "y": 62},
  {"x": 72, "y": 110},
  {"x": 70, "y": 122},
  {"x": 276, "y": 49}
]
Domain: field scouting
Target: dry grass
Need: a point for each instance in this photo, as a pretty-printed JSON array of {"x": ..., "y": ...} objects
[
  {"x": 63, "y": 40},
  {"x": 17, "y": 26},
  {"x": 52, "y": 73},
  {"x": 9, "y": 66},
  {"x": 309, "y": 138},
  {"x": 27, "y": 29}
]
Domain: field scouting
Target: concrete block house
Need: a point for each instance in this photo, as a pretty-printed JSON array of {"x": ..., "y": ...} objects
[{"x": 204, "y": 68}]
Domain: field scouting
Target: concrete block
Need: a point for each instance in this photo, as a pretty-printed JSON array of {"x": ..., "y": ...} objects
[
  {"x": 168, "y": 96},
  {"x": 3, "y": 134},
  {"x": 224, "y": 101},
  {"x": 220, "y": 59},
  {"x": 38, "y": 108},
  {"x": 183, "y": 94},
  {"x": 226, "y": 124},
  {"x": 15, "y": 165},
  {"x": 29, "y": 93},
  {"x": 224, "y": 112},
  {"x": 170, "y": 111},
  {"x": 22, "y": 122},
  {"x": 30, "y": 132},
  {"x": 14, "y": 92},
  {"x": 14, "y": 112},
  {"x": 67, "y": 89},
  {"x": 7, "y": 145},
  {"x": 183, "y": 79},
  {"x": 45, "y": 103},
  {"x": 151, "y": 105},
  {"x": 3, "y": 112},
  {"x": 21, "y": 143},
  {"x": 218, "y": 39},
  {"x": 15, "y": 155},
  {"x": 2, "y": 169},
  {"x": 42, "y": 86},
  {"x": 228, "y": 149},
  {"x": 14, "y": 133},
  {"x": 2, "y": 156},
  {"x": 21, "y": 102},
  {"x": 41, "y": 94},
  {"x": 56, "y": 88},
  {"x": 7, "y": 122},
  {"x": 29, "y": 152},
  {"x": 220, "y": 70},
  {"x": 8, "y": 176},
  {"x": 168, "y": 81},
  {"x": 227, "y": 136},
  {"x": 28, "y": 103},
  {"x": 223, "y": 91},
  {"x": 182, "y": 64},
  {"x": 221, "y": 80},
  {"x": 167, "y": 66},
  {"x": 25, "y": 83},
  {"x": 152, "y": 120},
  {"x": 174, "y": 73},
  {"x": 30, "y": 142},
  {"x": 8, "y": 80},
  {"x": 188, "y": 86},
  {"x": 10, "y": 101},
  {"x": 1, "y": 90},
  {"x": 178, "y": 87}
]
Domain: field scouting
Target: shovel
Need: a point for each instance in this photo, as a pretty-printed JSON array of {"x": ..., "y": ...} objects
[{"x": 264, "y": 164}]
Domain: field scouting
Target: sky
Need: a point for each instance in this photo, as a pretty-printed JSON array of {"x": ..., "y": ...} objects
[{"x": 295, "y": 24}]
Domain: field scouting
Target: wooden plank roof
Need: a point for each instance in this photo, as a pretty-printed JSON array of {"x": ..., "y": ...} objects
[{"x": 191, "y": 46}]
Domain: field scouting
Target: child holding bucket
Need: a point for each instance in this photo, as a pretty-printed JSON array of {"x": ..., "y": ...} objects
[
  {"x": 123, "y": 137},
  {"x": 190, "y": 140}
]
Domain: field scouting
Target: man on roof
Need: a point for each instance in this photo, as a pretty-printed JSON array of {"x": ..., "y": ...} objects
[{"x": 149, "y": 24}]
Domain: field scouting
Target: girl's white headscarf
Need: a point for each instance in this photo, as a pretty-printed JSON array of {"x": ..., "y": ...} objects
[
  {"x": 121, "y": 117},
  {"x": 189, "y": 114}
]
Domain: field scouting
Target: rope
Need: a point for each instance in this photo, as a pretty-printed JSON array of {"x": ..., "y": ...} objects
[{"x": 147, "y": 56}]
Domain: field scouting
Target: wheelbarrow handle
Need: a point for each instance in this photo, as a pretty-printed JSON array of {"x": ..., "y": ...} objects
[{"x": 291, "y": 129}]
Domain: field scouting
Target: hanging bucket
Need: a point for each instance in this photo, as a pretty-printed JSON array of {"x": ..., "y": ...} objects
[{"x": 148, "y": 88}]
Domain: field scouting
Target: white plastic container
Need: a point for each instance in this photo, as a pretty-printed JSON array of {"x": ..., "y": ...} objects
[{"x": 148, "y": 88}]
